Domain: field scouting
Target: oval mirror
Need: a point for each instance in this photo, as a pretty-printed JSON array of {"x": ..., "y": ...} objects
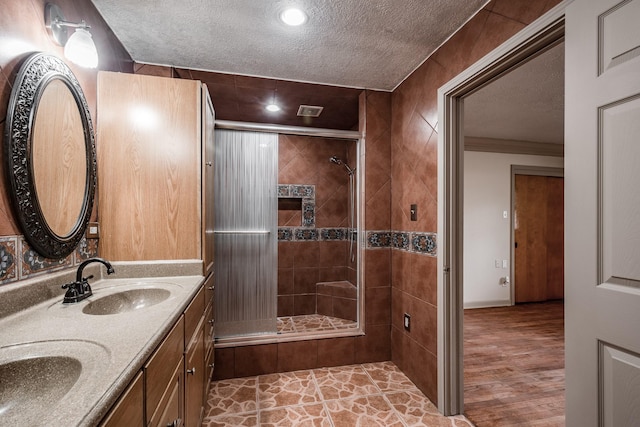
[{"x": 50, "y": 155}]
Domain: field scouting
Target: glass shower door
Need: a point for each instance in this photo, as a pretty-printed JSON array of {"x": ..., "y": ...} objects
[{"x": 246, "y": 178}]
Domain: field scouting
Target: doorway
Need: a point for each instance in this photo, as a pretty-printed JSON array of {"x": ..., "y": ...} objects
[{"x": 540, "y": 36}]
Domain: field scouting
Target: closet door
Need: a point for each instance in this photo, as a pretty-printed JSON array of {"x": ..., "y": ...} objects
[{"x": 539, "y": 243}]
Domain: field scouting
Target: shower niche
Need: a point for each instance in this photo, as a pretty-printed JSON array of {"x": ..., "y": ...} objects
[{"x": 315, "y": 290}]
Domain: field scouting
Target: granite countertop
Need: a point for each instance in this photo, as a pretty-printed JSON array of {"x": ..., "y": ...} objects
[{"x": 111, "y": 348}]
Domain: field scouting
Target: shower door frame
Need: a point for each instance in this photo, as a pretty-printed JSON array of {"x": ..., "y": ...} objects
[{"x": 324, "y": 133}]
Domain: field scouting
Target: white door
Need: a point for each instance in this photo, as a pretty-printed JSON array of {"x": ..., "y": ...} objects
[{"x": 602, "y": 208}]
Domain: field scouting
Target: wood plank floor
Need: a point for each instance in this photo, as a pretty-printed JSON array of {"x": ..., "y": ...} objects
[{"x": 514, "y": 365}]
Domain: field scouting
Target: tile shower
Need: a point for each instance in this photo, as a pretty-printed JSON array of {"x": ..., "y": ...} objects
[
  {"x": 286, "y": 249},
  {"x": 316, "y": 274}
]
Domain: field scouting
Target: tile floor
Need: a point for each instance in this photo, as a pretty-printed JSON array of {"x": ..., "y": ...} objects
[
  {"x": 369, "y": 395},
  {"x": 312, "y": 323}
]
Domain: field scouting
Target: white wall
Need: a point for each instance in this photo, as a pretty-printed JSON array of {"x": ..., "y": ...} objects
[{"x": 487, "y": 235}]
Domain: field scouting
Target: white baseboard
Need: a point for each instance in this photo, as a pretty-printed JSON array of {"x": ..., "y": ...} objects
[{"x": 487, "y": 304}]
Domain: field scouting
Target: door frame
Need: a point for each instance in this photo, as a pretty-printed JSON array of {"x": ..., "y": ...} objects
[
  {"x": 523, "y": 170},
  {"x": 544, "y": 33}
]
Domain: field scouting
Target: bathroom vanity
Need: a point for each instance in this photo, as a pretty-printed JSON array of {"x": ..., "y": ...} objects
[
  {"x": 134, "y": 348},
  {"x": 155, "y": 156},
  {"x": 134, "y": 353}
]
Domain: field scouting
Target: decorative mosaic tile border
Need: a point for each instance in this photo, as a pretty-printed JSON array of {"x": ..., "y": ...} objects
[
  {"x": 416, "y": 242},
  {"x": 8, "y": 252},
  {"x": 18, "y": 261},
  {"x": 308, "y": 195},
  {"x": 291, "y": 234}
]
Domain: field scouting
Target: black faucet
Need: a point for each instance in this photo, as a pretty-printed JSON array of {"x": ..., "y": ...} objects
[{"x": 80, "y": 289}]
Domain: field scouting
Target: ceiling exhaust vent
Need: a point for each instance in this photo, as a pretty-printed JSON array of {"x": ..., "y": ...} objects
[{"x": 309, "y": 111}]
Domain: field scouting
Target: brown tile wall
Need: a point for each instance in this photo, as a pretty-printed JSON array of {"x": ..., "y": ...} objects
[
  {"x": 301, "y": 264},
  {"x": 337, "y": 299},
  {"x": 375, "y": 345},
  {"x": 414, "y": 177},
  {"x": 22, "y": 32}
]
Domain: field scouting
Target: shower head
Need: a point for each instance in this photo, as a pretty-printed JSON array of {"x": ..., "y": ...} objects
[{"x": 337, "y": 161}]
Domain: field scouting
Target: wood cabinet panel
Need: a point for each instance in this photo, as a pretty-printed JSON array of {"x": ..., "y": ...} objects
[
  {"x": 128, "y": 411},
  {"x": 195, "y": 380},
  {"x": 170, "y": 411},
  {"x": 149, "y": 162},
  {"x": 207, "y": 179},
  {"x": 209, "y": 288},
  {"x": 209, "y": 364},
  {"x": 208, "y": 328},
  {"x": 160, "y": 369},
  {"x": 193, "y": 316}
]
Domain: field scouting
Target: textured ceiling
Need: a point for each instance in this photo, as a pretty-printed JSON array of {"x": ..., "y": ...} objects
[
  {"x": 526, "y": 104},
  {"x": 353, "y": 43}
]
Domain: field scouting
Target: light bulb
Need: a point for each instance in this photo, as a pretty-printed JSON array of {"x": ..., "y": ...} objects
[
  {"x": 81, "y": 50},
  {"x": 293, "y": 17},
  {"x": 272, "y": 107}
]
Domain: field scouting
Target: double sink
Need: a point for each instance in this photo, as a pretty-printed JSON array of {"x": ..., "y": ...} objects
[{"x": 77, "y": 357}]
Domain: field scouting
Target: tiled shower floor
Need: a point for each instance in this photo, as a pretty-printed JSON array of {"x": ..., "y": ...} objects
[
  {"x": 312, "y": 323},
  {"x": 369, "y": 395}
]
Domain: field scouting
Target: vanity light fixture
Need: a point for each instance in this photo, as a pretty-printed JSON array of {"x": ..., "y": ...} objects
[
  {"x": 293, "y": 17},
  {"x": 79, "y": 48},
  {"x": 272, "y": 108}
]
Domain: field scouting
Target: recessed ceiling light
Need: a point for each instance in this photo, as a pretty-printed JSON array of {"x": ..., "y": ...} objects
[
  {"x": 272, "y": 107},
  {"x": 293, "y": 17}
]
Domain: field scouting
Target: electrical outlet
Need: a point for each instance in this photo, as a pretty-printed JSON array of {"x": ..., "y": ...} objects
[
  {"x": 504, "y": 263},
  {"x": 407, "y": 322},
  {"x": 93, "y": 230}
]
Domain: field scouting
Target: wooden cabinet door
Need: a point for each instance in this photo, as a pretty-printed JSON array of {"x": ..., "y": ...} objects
[
  {"x": 195, "y": 380},
  {"x": 160, "y": 370},
  {"x": 207, "y": 179},
  {"x": 539, "y": 241},
  {"x": 149, "y": 163},
  {"x": 129, "y": 411},
  {"x": 171, "y": 408}
]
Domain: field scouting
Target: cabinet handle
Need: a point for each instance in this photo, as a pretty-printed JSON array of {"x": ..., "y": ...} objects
[
  {"x": 212, "y": 365},
  {"x": 175, "y": 423},
  {"x": 211, "y": 322},
  {"x": 209, "y": 164},
  {"x": 211, "y": 288},
  {"x": 191, "y": 371}
]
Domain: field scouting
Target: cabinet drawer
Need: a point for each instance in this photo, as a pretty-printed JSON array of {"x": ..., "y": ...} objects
[
  {"x": 193, "y": 316},
  {"x": 160, "y": 369},
  {"x": 129, "y": 410}
]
